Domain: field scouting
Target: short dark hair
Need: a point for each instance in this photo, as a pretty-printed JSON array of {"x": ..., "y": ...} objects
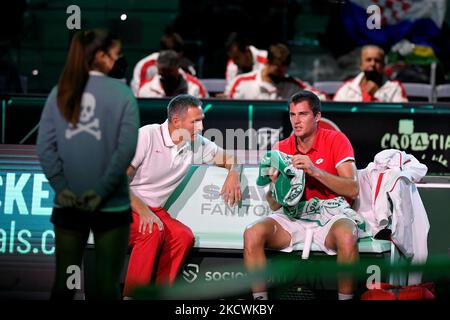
[
  {"x": 75, "y": 75},
  {"x": 239, "y": 40},
  {"x": 168, "y": 59},
  {"x": 279, "y": 55},
  {"x": 305, "y": 95},
  {"x": 171, "y": 41},
  {"x": 180, "y": 104}
]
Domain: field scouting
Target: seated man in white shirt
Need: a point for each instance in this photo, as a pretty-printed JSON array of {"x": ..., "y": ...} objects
[
  {"x": 171, "y": 80},
  {"x": 146, "y": 67},
  {"x": 243, "y": 57},
  {"x": 371, "y": 84},
  {"x": 164, "y": 154},
  {"x": 272, "y": 82}
]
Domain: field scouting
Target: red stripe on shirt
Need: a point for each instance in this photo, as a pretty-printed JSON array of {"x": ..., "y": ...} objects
[
  {"x": 304, "y": 86},
  {"x": 261, "y": 59},
  {"x": 395, "y": 184},
  {"x": 146, "y": 81},
  {"x": 143, "y": 74},
  {"x": 196, "y": 82},
  {"x": 300, "y": 83},
  {"x": 377, "y": 190},
  {"x": 402, "y": 89},
  {"x": 366, "y": 96},
  {"x": 239, "y": 80},
  {"x": 226, "y": 69}
]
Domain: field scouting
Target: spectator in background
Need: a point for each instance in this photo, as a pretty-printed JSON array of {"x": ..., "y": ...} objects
[
  {"x": 371, "y": 84},
  {"x": 171, "y": 80},
  {"x": 146, "y": 67},
  {"x": 272, "y": 81},
  {"x": 244, "y": 57}
]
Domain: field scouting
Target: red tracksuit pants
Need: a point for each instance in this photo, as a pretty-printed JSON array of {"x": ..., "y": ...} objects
[{"x": 167, "y": 249}]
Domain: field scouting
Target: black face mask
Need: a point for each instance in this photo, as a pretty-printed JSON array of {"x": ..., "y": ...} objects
[
  {"x": 169, "y": 84},
  {"x": 119, "y": 69},
  {"x": 275, "y": 79},
  {"x": 246, "y": 69},
  {"x": 374, "y": 76}
]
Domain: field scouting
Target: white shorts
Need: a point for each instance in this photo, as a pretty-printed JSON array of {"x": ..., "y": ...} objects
[{"x": 297, "y": 230}]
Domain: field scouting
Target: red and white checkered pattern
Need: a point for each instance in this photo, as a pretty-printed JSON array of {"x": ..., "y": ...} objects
[{"x": 392, "y": 11}]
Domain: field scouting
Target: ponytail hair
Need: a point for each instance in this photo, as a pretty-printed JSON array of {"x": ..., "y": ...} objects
[{"x": 75, "y": 75}]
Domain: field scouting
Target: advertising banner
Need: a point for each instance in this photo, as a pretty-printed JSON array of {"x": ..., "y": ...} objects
[{"x": 198, "y": 204}]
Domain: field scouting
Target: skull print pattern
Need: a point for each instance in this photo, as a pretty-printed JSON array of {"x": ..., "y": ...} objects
[{"x": 86, "y": 122}]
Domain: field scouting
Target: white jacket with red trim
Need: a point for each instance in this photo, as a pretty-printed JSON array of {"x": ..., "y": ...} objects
[
  {"x": 251, "y": 86},
  {"x": 390, "y": 91},
  {"x": 153, "y": 88},
  {"x": 143, "y": 71},
  {"x": 259, "y": 61},
  {"x": 388, "y": 197}
]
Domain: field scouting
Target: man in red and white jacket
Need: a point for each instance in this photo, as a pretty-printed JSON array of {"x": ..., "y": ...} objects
[
  {"x": 243, "y": 57},
  {"x": 370, "y": 84},
  {"x": 144, "y": 70},
  {"x": 272, "y": 82},
  {"x": 146, "y": 67},
  {"x": 171, "y": 80}
]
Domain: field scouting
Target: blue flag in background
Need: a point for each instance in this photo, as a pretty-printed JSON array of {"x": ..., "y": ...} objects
[{"x": 420, "y": 21}]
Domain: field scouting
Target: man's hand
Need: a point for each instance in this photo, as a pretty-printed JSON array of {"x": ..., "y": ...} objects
[
  {"x": 146, "y": 220},
  {"x": 371, "y": 87},
  {"x": 304, "y": 162},
  {"x": 273, "y": 174},
  {"x": 89, "y": 201},
  {"x": 66, "y": 198},
  {"x": 146, "y": 217},
  {"x": 231, "y": 190}
]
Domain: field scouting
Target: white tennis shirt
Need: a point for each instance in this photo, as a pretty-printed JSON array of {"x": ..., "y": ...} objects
[{"x": 161, "y": 165}]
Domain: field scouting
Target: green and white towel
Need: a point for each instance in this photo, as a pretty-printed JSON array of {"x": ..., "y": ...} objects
[
  {"x": 321, "y": 211},
  {"x": 290, "y": 184},
  {"x": 288, "y": 190}
]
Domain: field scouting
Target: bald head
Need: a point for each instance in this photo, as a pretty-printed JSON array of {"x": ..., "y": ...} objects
[
  {"x": 372, "y": 47},
  {"x": 372, "y": 59}
]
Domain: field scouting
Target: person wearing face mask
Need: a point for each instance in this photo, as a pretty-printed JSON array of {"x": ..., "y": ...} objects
[
  {"x": 147, "y": 68},
  {"x": 171, "y": 80},
  {"x": 87, "y": 137},
  {"x": 271, "y": 82},
  {"x": 119, "y": 69},
  {"x": 371, "y": 84},
  {"x": 243, "y": 57}
]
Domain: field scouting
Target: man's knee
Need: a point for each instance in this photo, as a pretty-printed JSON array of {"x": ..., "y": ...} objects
[
  {"x": 346, "y": 238},
  {"x": 343, "y": 236},
  {"x": 186, "y": 237},
  {"x": 254, "y": 236}
]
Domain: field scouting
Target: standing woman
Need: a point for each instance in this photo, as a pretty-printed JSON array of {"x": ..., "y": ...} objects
[{"x": 87, "y": 138}]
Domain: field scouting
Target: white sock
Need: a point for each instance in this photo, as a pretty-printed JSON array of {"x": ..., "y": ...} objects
[
  {"x": 343, "y": 296},
  {"x": 260, "y": 295}
]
